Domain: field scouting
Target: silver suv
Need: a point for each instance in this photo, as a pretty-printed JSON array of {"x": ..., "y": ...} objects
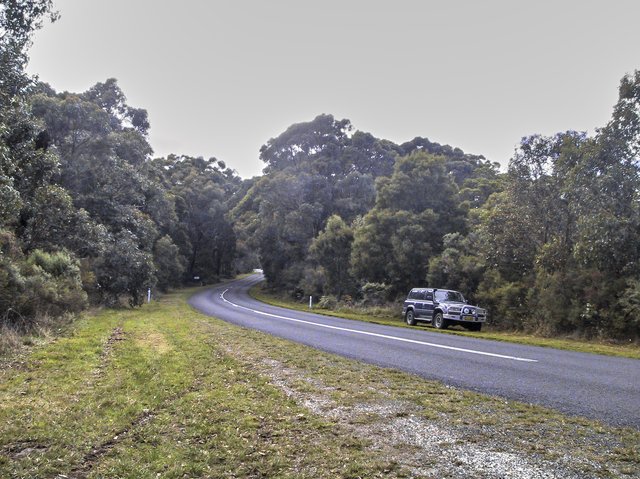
[{"x": 442, "y": 307}]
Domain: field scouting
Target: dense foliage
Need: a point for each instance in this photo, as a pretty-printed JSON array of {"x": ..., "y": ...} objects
[
  {"x": 86, "y": 215},
  {"x": 552, "y": 246}
]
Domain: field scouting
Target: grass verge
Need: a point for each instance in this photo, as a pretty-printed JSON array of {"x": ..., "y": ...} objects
[
  {"x": 163, "y": 391},
  {"x": 381, "y": 316}
]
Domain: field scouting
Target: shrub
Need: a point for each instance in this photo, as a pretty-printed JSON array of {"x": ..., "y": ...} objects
[
  {"x": 40, "y": 285},
  {"x": 169, "y": 263},
  {"x": 9, "y": 339},
  {"x": 630, "y": 305},
  {"x": 327, "y": 302},
  {"x": 505, "y": 301},
  {"x": 375, "y": 294},
  {"x": 53, "y": 285}
]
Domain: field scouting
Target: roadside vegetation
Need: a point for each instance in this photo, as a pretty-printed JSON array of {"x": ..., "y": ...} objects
[
  {"x": 549, "y": 247},
  {"x": 390, "y": 315},
  {"x": 89, "y": 218},
  {"x": 163, "y": 391}
]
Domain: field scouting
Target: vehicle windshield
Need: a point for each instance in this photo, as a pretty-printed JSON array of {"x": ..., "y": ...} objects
[{"x": 449, "y": 297}]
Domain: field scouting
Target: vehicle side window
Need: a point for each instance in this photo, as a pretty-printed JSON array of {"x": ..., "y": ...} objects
[
  {"x": 413, "y": 295},
  {"x": 429, "y": 296}
]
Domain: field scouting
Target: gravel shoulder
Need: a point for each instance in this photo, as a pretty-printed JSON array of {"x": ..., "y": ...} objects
[{"x": 430, "y": 430}]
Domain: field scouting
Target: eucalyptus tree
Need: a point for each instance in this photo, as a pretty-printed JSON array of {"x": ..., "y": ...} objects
[
  {"x": 561, "y": 242},
  {"x": 33, "y": 282},
  {"x": 102, "y": 146},
  {"x": 19, "y": 19},
  {"x": 200, "y": 189},
  {"x": 414, "y": 209},
  {"x": 306, "y": 177},
  {"x": 331, "y": 250}
]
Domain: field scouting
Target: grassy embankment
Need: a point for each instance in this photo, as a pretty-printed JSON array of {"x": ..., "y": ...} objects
[
  {"x": 392, "y": 318},
  {"x": 163, "y": 391}
]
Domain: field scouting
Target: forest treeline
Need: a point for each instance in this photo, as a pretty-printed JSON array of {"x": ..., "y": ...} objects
[{"x": 88, "y": 216}]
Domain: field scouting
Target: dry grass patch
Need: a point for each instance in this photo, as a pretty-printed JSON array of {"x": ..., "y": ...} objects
[{"x": 155, "y": 342}]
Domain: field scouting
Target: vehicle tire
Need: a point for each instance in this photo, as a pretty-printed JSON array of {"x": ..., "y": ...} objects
[
  {"x": 410, "y": 318},
  {"x": 439, "y": 322},
  {"x": 474, "y": 326}
]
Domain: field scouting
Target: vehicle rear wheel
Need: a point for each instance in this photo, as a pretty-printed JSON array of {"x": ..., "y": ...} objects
[
  {"x": 439, "y": 322},
  {"x": 410, "y": 318}
]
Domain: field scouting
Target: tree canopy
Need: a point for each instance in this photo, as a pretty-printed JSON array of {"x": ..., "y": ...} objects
[{"x": 87, "y": 215}]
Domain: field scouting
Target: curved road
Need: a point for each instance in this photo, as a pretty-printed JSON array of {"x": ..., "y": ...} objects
[{"x": 599, "y": 387}]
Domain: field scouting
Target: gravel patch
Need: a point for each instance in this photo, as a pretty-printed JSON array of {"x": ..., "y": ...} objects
[{"x": 401, "y": 432}]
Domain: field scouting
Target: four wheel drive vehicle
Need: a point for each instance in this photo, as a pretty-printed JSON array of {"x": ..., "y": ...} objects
[{"x": 441, "y": 307}]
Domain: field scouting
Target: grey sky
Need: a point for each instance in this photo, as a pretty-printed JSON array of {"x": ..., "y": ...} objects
[{"x": 219, "y": 78}]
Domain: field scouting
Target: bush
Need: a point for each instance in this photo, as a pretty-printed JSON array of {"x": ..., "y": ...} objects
[
  {"x": 630, "y": 305},
  {"x": 313, "y": 280},
  {"x": 375, "y": 294},
  {"x": 327, "y": 302},
  {"x": 41, "y": 285},
  {"x": 53, "y": 284},
  {"x": 505, "y": 301},
  {"x": 9, "y": 339},
  {"x": 347, "y": 300}
]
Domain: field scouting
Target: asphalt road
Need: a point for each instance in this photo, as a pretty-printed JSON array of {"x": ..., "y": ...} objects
[{"x": 598, "y": 387}]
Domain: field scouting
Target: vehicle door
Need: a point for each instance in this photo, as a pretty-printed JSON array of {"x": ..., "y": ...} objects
[
  {"x": 429, "y": 305},
  {"x": 420, "y": 307}
]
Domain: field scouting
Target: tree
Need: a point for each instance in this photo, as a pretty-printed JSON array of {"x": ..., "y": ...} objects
[
  {"x": 562, "y": 239},
  {"x": 369, "y": 155},
  {"x": 318, "y": 169},
  {"x": 200, "y": 189},
  {"x": 124, "y": 270},
  {"x": 33, "y": 283},
  {"x": 459, "y": 266},
  {"x": 18, "y": 20},
  {"x": 290, "y": 216},
  {"x": 103, "y": 148},
  {"x": 414, "y": 209},
  {"x": 332, "y": 249},
  {"x": 317, "y": 143},
  {"x": 608, "y": 182}
]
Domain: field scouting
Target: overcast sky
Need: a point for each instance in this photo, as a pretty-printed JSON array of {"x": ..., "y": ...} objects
[{"x": 219, "y": 78}]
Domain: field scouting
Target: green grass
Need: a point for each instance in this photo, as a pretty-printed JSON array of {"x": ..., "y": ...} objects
[
  {"x": 163, "y": 391},
  {"x": 383, "y": 316},
  {"x": 151, "y": 392}
]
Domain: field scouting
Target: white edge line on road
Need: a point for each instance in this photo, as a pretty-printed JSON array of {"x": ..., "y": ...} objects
[{"x": 377, "y": 335}]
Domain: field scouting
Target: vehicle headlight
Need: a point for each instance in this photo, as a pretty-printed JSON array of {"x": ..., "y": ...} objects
[
  {"x": 454, "y": 310},
  {"x": 466, "y": 310}
]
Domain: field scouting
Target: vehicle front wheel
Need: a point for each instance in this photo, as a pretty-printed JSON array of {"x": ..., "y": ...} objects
[
  {"x": 410, "y": 318},
  {"x": 474, "y": 326},
  {"x": 439, "y": 322}
]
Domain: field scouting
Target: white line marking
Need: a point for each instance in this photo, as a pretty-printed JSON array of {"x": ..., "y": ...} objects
[{"x": 377, "y": 335}]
